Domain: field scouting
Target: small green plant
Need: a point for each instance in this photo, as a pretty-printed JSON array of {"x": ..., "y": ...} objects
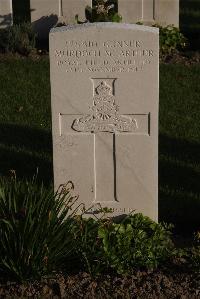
[
  {"x": 136, "y": 242},
  {"x": 171, "y": 39},
  {"x": 17, "y": 39},
  {"x": 35, "y": 226},
  {"x": 102, "y": 11}
]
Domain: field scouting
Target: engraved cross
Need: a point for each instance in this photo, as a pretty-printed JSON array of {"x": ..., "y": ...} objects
[{"x": 104, "y": 121}]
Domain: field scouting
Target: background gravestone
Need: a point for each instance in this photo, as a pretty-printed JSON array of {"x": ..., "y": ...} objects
[
  {"x": 72, "y": 8},
  {"x": 163, "y": 12},
  {"x": 5, "y": 13},
  {"x": 167, "y": 12},
  {"x": 104, "y": 89},
  {"x": 46, "y": 13}
]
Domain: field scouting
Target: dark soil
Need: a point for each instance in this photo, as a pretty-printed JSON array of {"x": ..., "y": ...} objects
[
  {"x": 145, "y": 285},
  {"x": 186, "y": 58}
]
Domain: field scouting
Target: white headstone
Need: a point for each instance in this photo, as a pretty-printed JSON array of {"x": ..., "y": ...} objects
[
  {"x": 104, "y": 90},
  {"x": 6, "y": 14},
  {"x": 163, "y": 12}
]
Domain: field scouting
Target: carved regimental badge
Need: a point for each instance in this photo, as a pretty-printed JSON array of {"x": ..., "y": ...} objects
[{"x": 104, "y": 115}]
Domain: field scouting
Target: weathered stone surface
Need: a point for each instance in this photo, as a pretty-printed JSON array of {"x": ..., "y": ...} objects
[
  {"x": 163, "y": 12},
  {"x": 6, "y": 14},
  {"x": 104, "y": 89}
]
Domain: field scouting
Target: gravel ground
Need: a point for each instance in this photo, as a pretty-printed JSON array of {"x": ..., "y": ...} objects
[{"x": 145, "y": 285}]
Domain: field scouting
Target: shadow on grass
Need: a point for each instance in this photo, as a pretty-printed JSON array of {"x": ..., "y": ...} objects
[
  {"x": 25, "y": 149},
  {"x": 179, "y": 183}
]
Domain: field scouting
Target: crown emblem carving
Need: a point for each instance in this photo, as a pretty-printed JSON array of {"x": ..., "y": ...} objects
[{"x": 104, "y": 115}]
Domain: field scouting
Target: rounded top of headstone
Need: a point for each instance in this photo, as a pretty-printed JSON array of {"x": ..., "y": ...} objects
[{"x": 103, "y": 25}]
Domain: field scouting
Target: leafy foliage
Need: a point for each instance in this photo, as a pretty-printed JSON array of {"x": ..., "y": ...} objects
[
  {"x": 135, "y": 243},
  {"x": 40, "y": 233},
  {"x": 102, "y": 11},
  {"x": 35, "y": 228},
  {"x": 18, "y": 38},
  {"x": 171, "y": 39}
]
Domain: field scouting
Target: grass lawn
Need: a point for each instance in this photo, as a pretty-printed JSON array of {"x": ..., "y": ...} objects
[
  {"x": 179, "y": 151},
  {"x": 25, "y": 118},
  {"x": 25, "y": 132}
]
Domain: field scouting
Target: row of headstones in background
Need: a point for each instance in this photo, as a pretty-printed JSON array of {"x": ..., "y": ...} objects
[
  {"x": 46, "y": 13},
  {"x": 104, "y": 89},
  {"x": 6, "y": 13}
]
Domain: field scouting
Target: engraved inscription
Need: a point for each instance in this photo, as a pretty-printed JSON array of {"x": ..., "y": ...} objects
[
  {"x": 106, "y": 56},
  {"x": 98, "y": 209},
  {"x": 105, "y": 115}
]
